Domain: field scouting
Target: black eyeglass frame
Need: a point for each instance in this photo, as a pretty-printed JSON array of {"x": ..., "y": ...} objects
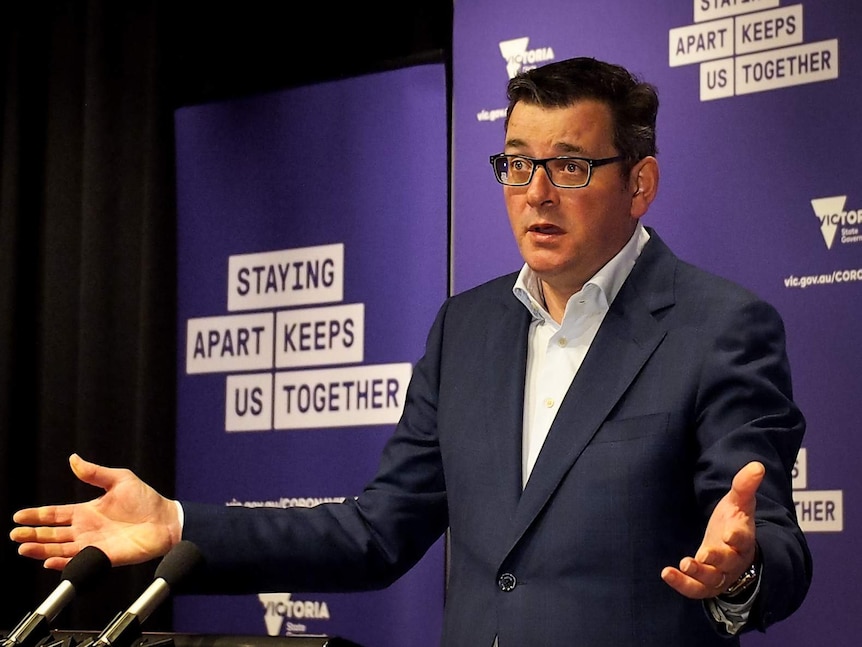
[{"x": 537, "y": 162}]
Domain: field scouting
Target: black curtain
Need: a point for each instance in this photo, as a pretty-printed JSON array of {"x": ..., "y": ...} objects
[{"x": 88, "y": 331}]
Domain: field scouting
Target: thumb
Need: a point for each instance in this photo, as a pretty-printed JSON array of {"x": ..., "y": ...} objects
[
  {"x": 91, "y": 473},
  {"x": 747, "y": 480}
]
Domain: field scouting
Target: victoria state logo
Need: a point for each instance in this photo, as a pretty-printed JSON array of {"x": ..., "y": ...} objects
[
  {"x": 519, "y": 58},
  {"x": 282, "y": 613},
  {"x": 832, "y": 216}
]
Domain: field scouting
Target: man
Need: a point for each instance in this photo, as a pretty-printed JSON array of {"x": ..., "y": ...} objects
[{"x": 578, "y": 426}]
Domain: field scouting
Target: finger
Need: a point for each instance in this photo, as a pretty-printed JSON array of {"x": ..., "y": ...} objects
[
  {"x": 708, "y": 555},
  {"x": 712, "y": 579},
  {"x": 47, "y": 551},
  {"x": 685, "y": 585},
  {"x": 737, "y": 542},
  {"x": 22, "y": 534},
  {"x": 41, "y": 534},
  {"x": 694, "y": 580},
  {"x": 708, "y": 575},
  {"x": 740, "y": 543},
  {"x": 56, "y": 563},
  {"x": 48, "y": 515}
]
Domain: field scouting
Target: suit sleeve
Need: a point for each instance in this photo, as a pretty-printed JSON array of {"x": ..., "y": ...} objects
[
  {"x": 366, "y": 542},
  {"x": 746, "y": 412}
]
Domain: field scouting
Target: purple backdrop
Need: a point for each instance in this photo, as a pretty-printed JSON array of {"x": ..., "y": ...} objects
[
  {"x": 338, "y": 191},
  {"x": 758, "y": 151}
]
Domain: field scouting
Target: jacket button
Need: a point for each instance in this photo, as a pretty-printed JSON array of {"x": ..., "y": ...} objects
[{"x": 507, "y": 582}]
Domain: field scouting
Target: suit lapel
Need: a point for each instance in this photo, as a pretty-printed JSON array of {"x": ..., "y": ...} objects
[
  {"x": 627, "y": 337},
  {"x": 506, "y": 343}
]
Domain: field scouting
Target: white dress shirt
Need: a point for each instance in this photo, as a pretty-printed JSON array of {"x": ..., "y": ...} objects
[{"x": 555, "y": 351}]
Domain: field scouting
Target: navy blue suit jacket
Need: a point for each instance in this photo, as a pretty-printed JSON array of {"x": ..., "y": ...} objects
[{"x": 687, "y": 381}]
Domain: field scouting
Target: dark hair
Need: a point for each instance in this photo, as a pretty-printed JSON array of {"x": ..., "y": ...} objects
[{"x": 633, "y": 103}]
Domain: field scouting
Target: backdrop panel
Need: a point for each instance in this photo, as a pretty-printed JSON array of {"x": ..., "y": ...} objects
[
  {"x": 759, "y": 159},
  {"x": 313, "y": 256}
]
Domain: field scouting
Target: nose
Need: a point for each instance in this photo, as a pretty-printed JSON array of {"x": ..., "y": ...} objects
[{"x": 540, "y": 190}]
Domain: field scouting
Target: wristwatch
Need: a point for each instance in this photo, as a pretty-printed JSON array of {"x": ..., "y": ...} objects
[{"x": 746, "y": 581}]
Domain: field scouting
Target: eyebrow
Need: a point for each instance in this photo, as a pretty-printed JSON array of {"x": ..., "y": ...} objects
[{"x": 563, "y": 147}]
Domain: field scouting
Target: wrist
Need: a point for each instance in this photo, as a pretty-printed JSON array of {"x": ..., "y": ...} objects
[{"x": 745, "y": 584}]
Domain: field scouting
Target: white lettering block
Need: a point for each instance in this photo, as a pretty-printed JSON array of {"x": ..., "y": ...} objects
[{"x": 289, "y": 277}]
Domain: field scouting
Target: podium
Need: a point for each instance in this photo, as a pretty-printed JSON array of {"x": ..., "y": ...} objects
[{"x": 171, "y": 639}]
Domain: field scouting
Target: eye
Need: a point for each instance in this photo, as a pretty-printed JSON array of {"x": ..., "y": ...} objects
[{"x": 573, "y": 167}]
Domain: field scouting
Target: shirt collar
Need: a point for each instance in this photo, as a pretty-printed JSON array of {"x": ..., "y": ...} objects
[{"x": 608, "y": 280}]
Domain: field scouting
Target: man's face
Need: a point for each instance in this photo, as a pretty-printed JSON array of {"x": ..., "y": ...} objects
[{"x": 567, "y": 235}]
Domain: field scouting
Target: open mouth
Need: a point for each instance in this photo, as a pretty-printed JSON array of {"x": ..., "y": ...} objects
[{"x": 545, "y": 228}]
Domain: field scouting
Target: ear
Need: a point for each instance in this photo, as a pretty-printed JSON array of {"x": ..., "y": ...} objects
[{"x": 643, "y": 182}]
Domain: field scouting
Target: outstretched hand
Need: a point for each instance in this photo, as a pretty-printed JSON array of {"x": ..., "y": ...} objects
[
  {"x": 131, "y": 522},
  {"x": 728, "y": 545}
]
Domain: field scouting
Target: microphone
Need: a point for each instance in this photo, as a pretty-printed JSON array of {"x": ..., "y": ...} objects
[
  {"x": 82, "y": 571},
  {"x": 125, "y": 628}
]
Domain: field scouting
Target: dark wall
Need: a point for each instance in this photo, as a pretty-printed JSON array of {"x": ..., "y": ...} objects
[
  {"x": 237, "y": 48},
  {"x": 88, "y": 226}
]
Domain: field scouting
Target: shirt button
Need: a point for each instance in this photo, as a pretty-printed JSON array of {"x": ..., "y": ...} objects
[
  {"x": 563, "y": 342},
  {"x": 549, "y": 402},
  {"x": 507, "y": 582}
]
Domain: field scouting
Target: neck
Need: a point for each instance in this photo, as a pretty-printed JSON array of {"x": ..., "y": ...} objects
[{"x": 554, "y": 301}]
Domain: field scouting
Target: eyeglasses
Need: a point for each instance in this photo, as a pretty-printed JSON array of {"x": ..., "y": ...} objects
[{"x": 563, "y": 172}]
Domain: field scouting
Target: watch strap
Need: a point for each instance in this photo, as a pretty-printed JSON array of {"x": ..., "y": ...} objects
[{"x": 743, "y": 583}]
